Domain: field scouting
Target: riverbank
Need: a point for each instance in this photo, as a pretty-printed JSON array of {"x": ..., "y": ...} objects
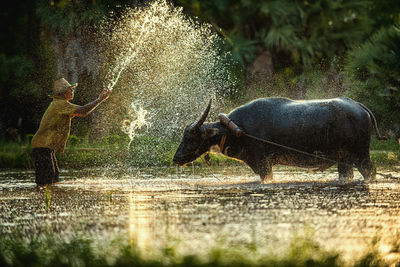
[{"x": 145, "y": 151}]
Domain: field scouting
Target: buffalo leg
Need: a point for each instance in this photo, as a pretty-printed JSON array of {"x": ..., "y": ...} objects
[
  {"x": 262, "y": 167},
  {"x": 345, "y": 172},
  {"x": 265, "y": 172}
]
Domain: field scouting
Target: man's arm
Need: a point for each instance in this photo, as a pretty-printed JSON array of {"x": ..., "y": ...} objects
[{"x": 82, "y": 111}]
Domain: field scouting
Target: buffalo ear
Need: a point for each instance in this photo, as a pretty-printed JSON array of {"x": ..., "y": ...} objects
[{"x": 209, "y": 132}]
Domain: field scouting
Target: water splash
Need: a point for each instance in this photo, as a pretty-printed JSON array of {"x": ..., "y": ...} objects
[
  {"x": 167, "y": 63},
  {"x": 136, "y": 122},
  {"x": 126, "y": 57}
]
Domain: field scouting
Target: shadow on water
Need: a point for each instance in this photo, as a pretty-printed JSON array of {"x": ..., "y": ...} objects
[{"x": 198, "y": 210}]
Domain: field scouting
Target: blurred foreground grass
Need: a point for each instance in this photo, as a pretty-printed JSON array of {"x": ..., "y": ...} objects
[
  {"x": 51, "y": 250},
  {"x": 147, "y": 151}
]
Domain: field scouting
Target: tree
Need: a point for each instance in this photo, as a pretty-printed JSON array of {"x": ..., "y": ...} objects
[
  {"x": 303, "y": 32},
  {"x": 24, "y": 69},
  {"x": 375, "y": 67}
]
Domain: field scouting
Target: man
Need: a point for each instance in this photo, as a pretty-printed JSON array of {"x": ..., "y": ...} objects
[{"x": 55, "y": 127}]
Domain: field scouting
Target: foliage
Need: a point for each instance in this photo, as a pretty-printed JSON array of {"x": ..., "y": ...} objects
[
  {"x": 384, "y": 13},
  {"x": 375, "y": 68},
  {"x": 315, "y": 30},
  {"x": 15, "y": 159},
  {"x": 26, "y": 64},
  {"x": 385, "y": 159},
  {"x": 305, "y": 31},
  {"x": 51, "y": 250},
  {"x": 117, "y": 140},
  {"x": 73, "y": 140},
  {"x": 389, "y": 145},
  {"x": 64, "y": 16},
  {"x": 15, "y": 72},
  {"x": 146, "y": 151},
  {"x": 151, "y": 151},
  {"x": 15, "y": 155},
  {"x": 243, "y": 50},
  {"x": 298, "y": 34}
]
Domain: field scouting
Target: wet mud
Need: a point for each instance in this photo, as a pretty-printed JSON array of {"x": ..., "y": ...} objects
[{"x": 196, "y": 210}]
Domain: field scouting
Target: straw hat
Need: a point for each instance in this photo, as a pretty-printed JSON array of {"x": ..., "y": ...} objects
[{"x": 61, "y": 85}]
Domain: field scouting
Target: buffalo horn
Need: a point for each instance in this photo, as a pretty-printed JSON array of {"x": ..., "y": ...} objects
[{"x": 203, "y": 117}]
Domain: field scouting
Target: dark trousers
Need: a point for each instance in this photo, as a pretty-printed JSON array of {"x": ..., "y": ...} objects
[{"x": 46, "y": 166}]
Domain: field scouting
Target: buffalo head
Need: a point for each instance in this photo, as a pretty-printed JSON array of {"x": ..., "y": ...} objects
[{"x": 195, "y": 140}]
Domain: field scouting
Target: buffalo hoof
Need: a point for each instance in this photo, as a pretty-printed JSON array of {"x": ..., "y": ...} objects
[
  {"x": 344, "y": 180},
  {"x": 267, "y": 178}
]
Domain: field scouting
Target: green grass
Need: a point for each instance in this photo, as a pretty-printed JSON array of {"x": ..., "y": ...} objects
[
  {"x": 14, "y": 155},
  {"x": 385, "y": 153},
  {"x": 389, "y": 145},
  {"x": 147, "y": 151},
  {"x": 49, "y": 250}
]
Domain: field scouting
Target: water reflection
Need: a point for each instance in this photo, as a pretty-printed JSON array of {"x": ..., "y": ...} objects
[
  {"x": 195, "y": 211},
  {"x": 140, "y": 222}
]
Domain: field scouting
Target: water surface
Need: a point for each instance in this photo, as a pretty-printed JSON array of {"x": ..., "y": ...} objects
[{"x": 196, "y": 209}]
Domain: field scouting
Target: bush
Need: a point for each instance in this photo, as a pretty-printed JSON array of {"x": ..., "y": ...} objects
[
  {"x": 50, "y": 250},
  {"x": 73, "y": 140},
  {"x": 116, "y": 140},
  {"x": 375, "y": 69},
  {"x": 19, "y": 159},
  {"x": 151, "y": 151}
]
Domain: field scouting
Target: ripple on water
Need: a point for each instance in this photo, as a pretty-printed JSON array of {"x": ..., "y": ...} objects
[{"x": 202, "y": 209}]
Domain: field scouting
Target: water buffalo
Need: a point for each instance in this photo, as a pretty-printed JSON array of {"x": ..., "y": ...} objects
[{"x": 336, "y": 131}]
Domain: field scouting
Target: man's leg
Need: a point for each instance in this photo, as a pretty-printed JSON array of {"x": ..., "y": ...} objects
[
  {"x": 44, "y": 168},
  {"x": 55, "y": 166}
]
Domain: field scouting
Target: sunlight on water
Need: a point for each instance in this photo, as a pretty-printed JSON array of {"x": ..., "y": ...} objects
[
  {"x": 155, "y": 208},
  {"x": 139, "y": 221},
  {"x": 166, "y": 63}
]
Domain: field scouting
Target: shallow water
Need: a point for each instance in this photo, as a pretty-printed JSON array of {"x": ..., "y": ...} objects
[{"x": 195, "y": 209}]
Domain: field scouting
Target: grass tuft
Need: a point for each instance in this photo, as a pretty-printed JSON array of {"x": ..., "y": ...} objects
[{"x": 48, "y": 250}]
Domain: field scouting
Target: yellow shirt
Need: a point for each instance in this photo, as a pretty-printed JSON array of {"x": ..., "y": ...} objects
[{"x": 55, "y": 125}]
